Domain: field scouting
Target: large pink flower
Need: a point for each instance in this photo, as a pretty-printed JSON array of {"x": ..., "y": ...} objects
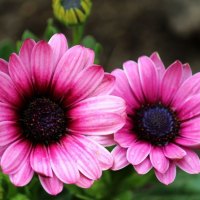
[
  {"x": 54, "y": 107},
  {"x": 163, "y": 123}
]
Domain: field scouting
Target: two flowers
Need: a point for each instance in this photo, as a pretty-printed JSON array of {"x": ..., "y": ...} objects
[{"x": 58, "y": 110}]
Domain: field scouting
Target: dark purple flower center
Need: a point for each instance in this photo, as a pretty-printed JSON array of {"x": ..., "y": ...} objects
[
  {"x": 68, "y": 4},
  {"x": 156, "y": 123},
  {"x": 43, "y": 121}
]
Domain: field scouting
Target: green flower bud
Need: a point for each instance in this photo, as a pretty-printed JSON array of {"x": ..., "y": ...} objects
[{"x": 71, "y": 12}]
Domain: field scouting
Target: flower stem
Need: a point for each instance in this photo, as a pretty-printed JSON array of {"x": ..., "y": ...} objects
[{"x": 77, "y": 34}]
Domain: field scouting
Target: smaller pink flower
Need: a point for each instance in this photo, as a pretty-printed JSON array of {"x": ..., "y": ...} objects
[{"x": 163, "y": 118}]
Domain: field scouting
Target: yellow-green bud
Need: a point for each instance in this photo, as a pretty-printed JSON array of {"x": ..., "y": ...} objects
[{"x": 71, "y": 12}]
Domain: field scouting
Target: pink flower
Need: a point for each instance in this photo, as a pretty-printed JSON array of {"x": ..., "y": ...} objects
[
  {"x": 163, "y": 123},
  {"x": 53, "y": 103}
]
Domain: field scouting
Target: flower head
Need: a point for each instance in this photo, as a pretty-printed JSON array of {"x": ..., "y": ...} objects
[
  {"x": 53, "y": 103},
  {"x": 71, "y": 12},
  {"x": 162, "y": 126}
]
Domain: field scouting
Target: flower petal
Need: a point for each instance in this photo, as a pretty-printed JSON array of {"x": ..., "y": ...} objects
[
  {"x": 7, "y": 112},
  {"x": 144, "y": 167},
  {"x": 189, "y": 163},
  {"x": 173, "y": 151},
  {"x": 3, "y": 66},
  {"x": 40, "y": 162},
  {"x": 12, "y": 162},
  {"x": 158, "y": 160},
  {"x": 149, "y": 78},
  {"x": 104, "y": 140},
  {"x": 52, "y": 185},
  {"x": 23, "y": 176},
  {"x": 84, "y": 182},
  {"x": 188, "y": 142},
  {"x": 187, "y": 72},
  {"x": 137, "y": 152},
  {"x": 63, "y": 164},
  {"x": 97, "y": 124},
  {"x": 119, "y": 156},
  {"x": 169, "y": 176}
]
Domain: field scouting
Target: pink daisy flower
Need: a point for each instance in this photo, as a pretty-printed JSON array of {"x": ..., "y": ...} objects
[
  {"x": 54, "y": 107},
  {"x": 163, "y": 117}
]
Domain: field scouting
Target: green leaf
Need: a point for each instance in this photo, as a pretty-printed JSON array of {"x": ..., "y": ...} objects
[
  {"x": 50, "y": 29},
  {"x": 6, "y": 48},
  {"x": 20, "y": 197},
  {"x": 28, "y": 34}
]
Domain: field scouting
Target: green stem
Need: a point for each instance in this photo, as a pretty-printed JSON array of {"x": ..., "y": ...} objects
[{"x": 77, "y": 33}]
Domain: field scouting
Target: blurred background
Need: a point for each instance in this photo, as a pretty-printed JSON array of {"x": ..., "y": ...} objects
[{"x": 126, "y": 29}]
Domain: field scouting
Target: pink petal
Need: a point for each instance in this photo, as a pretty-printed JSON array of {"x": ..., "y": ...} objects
[
  {"x": 102, "y": 154},
  {"x": 89, "y": 57},
  {"x": 189, "y": 108},
  {"x": 124, "y": 137},
  {"x": 9, "y": 132},
  {"x": 173, "y": 151},
  {"x": 86, "y": 162},
  {"x": 7, "y": 112},
  {"x": 132, "y": 73},
  {"x": 171, "y": 82},
  {"x": 63, "y": 164},
  {"x": 187, "y": 72},
  {"x": 99, "y": 104},
  {"x": 23, "y": 176},
  {"x": 8, "y": 92},
  {"x": 52, "y": 185},
  {"x": 137, "y": 152},
  {"x": 158, "y": 63},
  {"x": 189, "y": 163},
  {"x": 3, "y": 66},
  {"x": 70, "y": 65},
  {"x": 158, "y": 159},
  {"x": 59, "y": 46},
  {"x": 84, "y": 182},
  {"x": 86, "y": 83},
  {"x": 106, "y": 86},
  {"x": 42, "y": 65},
  {"x": 25, "y": 52},
  {"x": 149, "y": 78},
  {"x": 97, "y": 124},
  {"x": 40, "y": 162},
  {"x": 169, "y": 176},
  {"x": 20, "y": 74},
  {"x": 189, "y": 88},
  {"x": 144, "y": 167},
  {"x": 188, "y": 142},
  {"x": 12, "y": 162},
  {"x": 119, "y": 156},
  {"x": 122, "y": 89},
  {"x": 104, "y": 140},
  {"x": 2, "y": 150}
]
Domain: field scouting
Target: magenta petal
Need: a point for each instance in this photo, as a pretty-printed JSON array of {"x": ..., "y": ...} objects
[
  {"x": 137, "y": 152},
  {"x": 104, "y": 140},
  {"x": 20, "y": 74},
  {"x": 144, "y": 167},
  {"x": 188, "y": 142},
  {"x": 158, "y": 63},
  {"x": 12, "y": 162},
  {"x": 86, "y": 83},
  {"x": 189, "y": 163},
  {"x": 84, "y": 182},
  {"x": 59, "y": 46},
  {"x": 89, "y": 57},
  {"x": 8, "y": 92},
  {"x": 158, "y": 159},
  {"x": 106, "y": 86},
  {"x": 63, "y": 164},
  {"x": 86, "y": 162},
  {"x": 25, "y": 52},
  {"x": 169, "y": 176},
  {"x": 97, "y": 124},
  {"x": 132, "y": 73},
  {"x": 119, "y": 156},
  {"x": 173, "y": 151},
  {"x": 187, "y": 72},
  {"x": 149, "y": 78},
  {"x": 99, "y": 104},
  {"x": 3, "y": 66},
  {"x": 40, "y": 162},
  {"x": 23, "y": 176},
  {"x": 52, "y": 185},
  {"x": 42, "y": 65},
  {"x": 7, "y": 112},
  {"x": 102, "y": 154},
  {"x": 171, "y": 81}
]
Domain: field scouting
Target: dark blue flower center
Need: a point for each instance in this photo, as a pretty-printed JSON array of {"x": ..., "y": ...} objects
[
  {"x": 156, "y": 123},
  {"x": 43, "y": 121},
  {"x": 68, "y": 4}
]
